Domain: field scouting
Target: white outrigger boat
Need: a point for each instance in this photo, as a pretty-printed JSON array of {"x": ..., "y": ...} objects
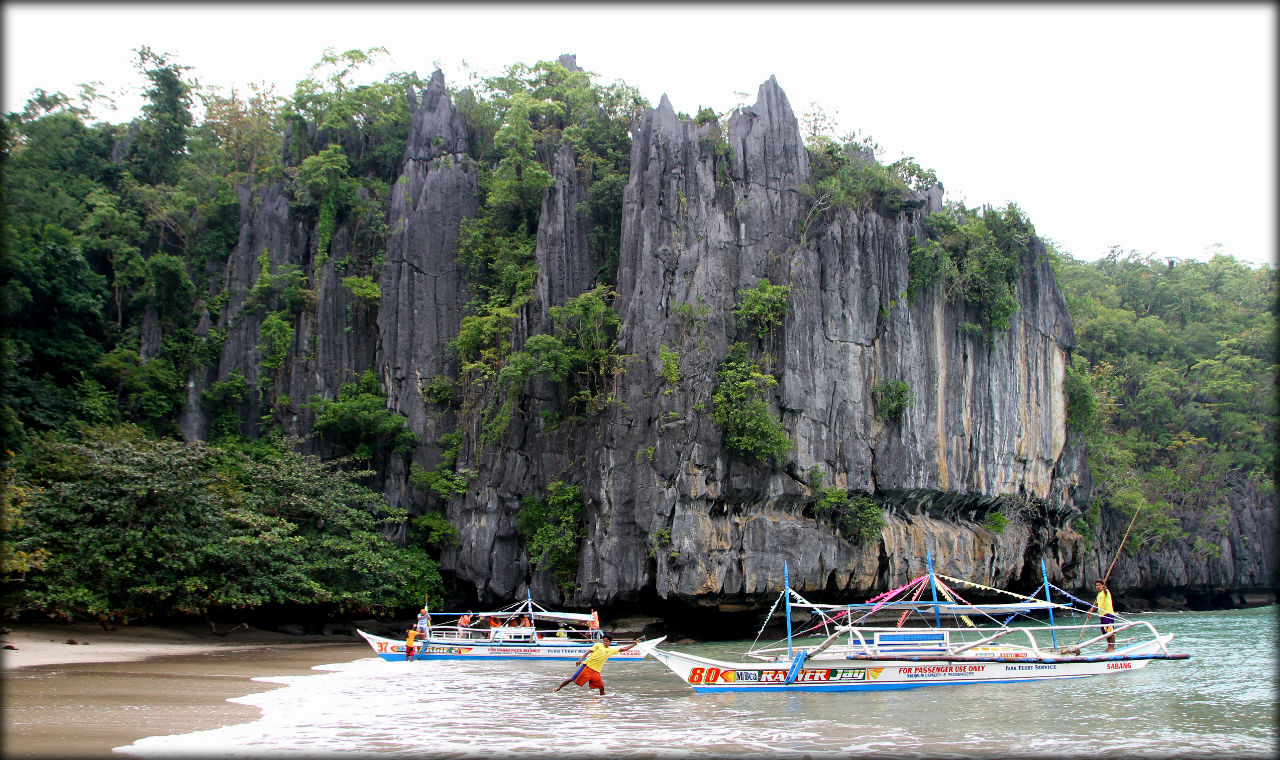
[
  {"x": 522, "y": 631},
  {"x": 988, "y": 643}
]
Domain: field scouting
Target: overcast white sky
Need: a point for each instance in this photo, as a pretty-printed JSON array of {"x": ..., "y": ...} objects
[{"x": 1147, "y": 126}]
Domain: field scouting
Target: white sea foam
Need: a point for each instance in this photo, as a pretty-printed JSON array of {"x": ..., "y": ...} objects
[{"x": 1219, "y": 702}]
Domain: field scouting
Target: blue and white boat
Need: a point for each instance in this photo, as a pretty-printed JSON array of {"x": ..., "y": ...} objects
[
  {"x": 861, "y": 647},
  {"x": 522, "y": 631}
]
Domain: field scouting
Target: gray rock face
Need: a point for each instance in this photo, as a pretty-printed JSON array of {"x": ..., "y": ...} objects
[
  {"x": 267, "y": 224},
  {"x": 564, "y": 268},
  {"x": 423, "y": 289},
  {"x": 1230, "y": 551},
  {"x": 988, "y": 418},
  {"x": 672, "y": 516}
]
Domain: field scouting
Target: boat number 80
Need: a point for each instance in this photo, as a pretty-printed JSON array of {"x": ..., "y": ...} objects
[{"x": 708, "y": 675}]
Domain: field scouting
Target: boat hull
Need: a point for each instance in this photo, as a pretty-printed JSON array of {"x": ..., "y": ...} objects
[
  {"x": 430, "y": 648},
  {"x": 829, "y": 675}
]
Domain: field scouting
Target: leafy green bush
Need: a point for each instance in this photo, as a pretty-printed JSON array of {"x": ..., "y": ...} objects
[
  {"x": 833, "y": 499},
  {"x": 1082, "y": 404},
  {"x": 862, "y": 521},
  {"x": 847, "y": 174},
  {"x": 737, "y": 403},
  {"x": 892, "y": 399},
  {"x": 996, "y": 522},
  {"x": 763, "y": 306},
  {"x": 149, "y": 393},
  {"x": 433, "y": 529},
  {"x": 440, "y": 390},
  {"x": 287, "y": 286},
  {"x": 670, "y": 364},
  {"x": 169, "y": 285},
  {"x": 660, "y": 541},
  {"x": 500, "y": 261},
  {"x": 363, "y": 288},
  {"x": 361, "y": 419},
  {"x": 974, "y": 257},
  {"x": 552, "y": 530},
  {"x": 275, "y": 340},
  {"x": 858, "y": 519},
  {"x": 927, "y": 265},
  {"x": 220, "y": 401},
  {"x": 132, "y": 527},
  {"x": 446, "y": 480},
  {"x": 325, "y": 176},
  {"x": 582, "y": 353}
]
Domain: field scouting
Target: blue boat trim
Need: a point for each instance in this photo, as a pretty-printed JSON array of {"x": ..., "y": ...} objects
[
  {"x": 878, "y": 686},
  {"x": 796, "y": 666}
]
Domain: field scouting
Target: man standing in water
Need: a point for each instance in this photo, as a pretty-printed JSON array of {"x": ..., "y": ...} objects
[
  {"x": 1106, "y": 613},
  {"x": 589, "y": 673}
]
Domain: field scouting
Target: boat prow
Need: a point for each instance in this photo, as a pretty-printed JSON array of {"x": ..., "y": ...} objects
[{"x": 647, "y": 647}]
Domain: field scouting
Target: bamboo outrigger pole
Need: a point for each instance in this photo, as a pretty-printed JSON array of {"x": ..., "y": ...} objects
[
  {"x": 1044, "y": 574},
  {"x": 1107, "y": 577},
  {"x": 933, "y": 585},
  {"x": 786, "y": 591}
]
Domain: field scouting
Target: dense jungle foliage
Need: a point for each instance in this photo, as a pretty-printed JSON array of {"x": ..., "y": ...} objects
[
  {"x": 113, "y": 232},
  {"x": 1173, "y": 382}
]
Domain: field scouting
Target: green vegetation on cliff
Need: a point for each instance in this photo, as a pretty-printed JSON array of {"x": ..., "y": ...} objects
[
  {"x": 115, "y": 237},
  {"x": 738, "y": 403},
  {"x": 115, "y": 243},
  {"x": 552, "y": 529},
  {"x": 974, "y": 257}
]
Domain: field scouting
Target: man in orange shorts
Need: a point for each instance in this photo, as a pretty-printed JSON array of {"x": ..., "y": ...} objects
[{"x": 588, "y": 674}]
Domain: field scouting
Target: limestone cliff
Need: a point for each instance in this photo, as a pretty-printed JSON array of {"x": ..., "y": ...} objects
[
  {"x": 673, "y": 518},
  {"x": 987, "y": 422}
]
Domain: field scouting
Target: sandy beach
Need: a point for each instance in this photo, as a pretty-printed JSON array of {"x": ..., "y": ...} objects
[{"x": 110, "y": 688}]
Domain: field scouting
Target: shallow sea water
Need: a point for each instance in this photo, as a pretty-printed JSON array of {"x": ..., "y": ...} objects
[{"x": 1220, "y": 703}]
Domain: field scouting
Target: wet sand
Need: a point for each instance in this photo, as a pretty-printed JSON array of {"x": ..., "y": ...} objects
[{"x": 69, "y": 706}]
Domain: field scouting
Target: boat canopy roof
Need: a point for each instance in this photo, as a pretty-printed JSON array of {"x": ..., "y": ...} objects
[
  {"x": 526, "y": 608},
  {"x": 562, "y": 617}
]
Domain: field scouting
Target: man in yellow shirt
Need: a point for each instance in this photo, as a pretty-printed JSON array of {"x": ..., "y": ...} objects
[
  {"x": 1106, "y": 613},
  {"x": 589, "y": 673}
]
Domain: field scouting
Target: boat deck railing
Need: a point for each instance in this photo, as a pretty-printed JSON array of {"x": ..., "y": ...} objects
[
  {"x": 892, "y": 641},
  {"x": 512, "y": 634},
  {"x": 940, "y": 638}
]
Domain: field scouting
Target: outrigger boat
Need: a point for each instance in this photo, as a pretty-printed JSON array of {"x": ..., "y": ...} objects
[
  {"x": 522, "y": 631},
  {"x": 988, "y": 643}
]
